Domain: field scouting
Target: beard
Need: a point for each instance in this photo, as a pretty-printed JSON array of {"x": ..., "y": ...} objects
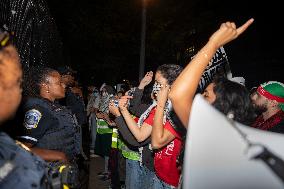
[{"x": 259, "y": 109}]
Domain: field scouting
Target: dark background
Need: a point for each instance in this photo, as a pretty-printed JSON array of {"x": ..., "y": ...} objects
[{"x": 101, "y": 39}]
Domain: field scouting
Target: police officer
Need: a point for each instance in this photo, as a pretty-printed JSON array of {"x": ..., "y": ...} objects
[
  {"x": 50, "y": 130},
  {"x": 18, "y": 167},
  {"x": 75, "y": 102},
  {"x": 74, "y": 96}
]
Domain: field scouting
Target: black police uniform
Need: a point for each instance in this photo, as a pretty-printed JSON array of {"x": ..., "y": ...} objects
[
  {"x": 50, "y": 126},
  {"x": 76, "y": 104},
  {"x": 20, "y": 168}
]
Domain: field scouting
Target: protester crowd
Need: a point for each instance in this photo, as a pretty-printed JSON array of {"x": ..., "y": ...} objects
[{"x": 140, "y": 131}]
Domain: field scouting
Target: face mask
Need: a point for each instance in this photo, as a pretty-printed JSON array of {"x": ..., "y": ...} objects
[
  {"x": 95, "y": 93},
  {"x": 156, "y": 88}
]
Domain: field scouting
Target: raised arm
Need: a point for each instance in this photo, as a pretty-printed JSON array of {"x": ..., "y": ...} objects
[
  {"x": 146, "y": 80},
  {"x": 140, "y": 133},
  {"x": 135, "y": 102},
  {"x": 160, "y": 136},
  {"x": 123, "y": 128},
  {"x": 184, "y": 87}
]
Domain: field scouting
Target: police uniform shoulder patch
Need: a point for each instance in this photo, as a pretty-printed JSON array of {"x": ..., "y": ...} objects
[{"x": 32, "y": 118}]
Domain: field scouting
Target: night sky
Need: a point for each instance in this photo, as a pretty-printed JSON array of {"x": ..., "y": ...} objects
[{"x": 101, "y": 39}]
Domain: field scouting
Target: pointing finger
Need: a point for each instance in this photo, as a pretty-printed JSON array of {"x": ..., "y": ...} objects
[{"x": 242, "y": 28}]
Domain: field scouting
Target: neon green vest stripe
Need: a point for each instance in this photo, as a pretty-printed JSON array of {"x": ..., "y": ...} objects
[
  {"x": 102, "y": 127},
  {"x": 114, "y": 138},
  {"x": 127, "y": 153}
]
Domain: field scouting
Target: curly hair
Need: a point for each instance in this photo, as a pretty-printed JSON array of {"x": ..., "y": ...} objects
[
  {"x": 233, "y": 97},
  {"x": 33, "y": 79},
  {"x": 170, "y": 72}
]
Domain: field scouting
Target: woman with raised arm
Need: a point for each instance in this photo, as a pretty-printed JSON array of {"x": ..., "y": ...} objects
[
  {"x": 167, "y": 173},
  {"x": 184, "y": 88},
  {"x": 139, "y": 160}
]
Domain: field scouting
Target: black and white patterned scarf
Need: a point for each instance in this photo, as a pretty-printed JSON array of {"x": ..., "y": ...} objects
[
  {"x": 144, "y": 116},
  {"x": 104, "y": 102},
  {"x": 168, "y": 108}
]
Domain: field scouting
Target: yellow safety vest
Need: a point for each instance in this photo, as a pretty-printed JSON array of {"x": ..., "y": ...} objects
[{"x": 102, "y": 127}]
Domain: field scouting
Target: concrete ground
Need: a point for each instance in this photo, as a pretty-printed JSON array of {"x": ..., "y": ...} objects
[{"x": 96, "y": 166}]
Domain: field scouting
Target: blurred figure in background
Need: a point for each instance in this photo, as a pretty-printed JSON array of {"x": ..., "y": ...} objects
[{"x": 92, "y": 109}]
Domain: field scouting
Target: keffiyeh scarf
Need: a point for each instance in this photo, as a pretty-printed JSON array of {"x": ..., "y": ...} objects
[{"x": 144, "y": 116}]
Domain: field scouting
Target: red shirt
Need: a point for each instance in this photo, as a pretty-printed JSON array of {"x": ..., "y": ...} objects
[
  {"x": 270, "y": 123},
  {"x": 165, "y": 158}
]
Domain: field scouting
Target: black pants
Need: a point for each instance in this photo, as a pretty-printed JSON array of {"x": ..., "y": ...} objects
[
  {"x": 113, "y": 168},
  {"x": 84, "y": 167}
]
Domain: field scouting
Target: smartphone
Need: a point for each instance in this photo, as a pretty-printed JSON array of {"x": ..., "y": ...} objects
[{"x": 115, "y": 102}]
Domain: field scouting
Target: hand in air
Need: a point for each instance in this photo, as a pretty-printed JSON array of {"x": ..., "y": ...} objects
[
  {"x": 146, "y": 80},
  {"x": 113, "y": 109},
  {"x": 123, "y": 102},
  {"x": 228, "y": 32}
]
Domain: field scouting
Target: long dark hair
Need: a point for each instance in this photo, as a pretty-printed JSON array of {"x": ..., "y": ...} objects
[
  {"x": 233, "y": 97},
  {"x": 146, "y": 97},
  {"x": 33, "y": 79}
]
